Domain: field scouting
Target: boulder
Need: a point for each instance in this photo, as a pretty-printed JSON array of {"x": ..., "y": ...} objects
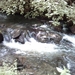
[
  {"x": 18, "y": 36},
  {"x": 47, "y": 36},
  {"x": 55, "y": 37},
  {"x": 1, "y": 38},
  {"x": 16, "y": 33},
  {"x": 69, "y": 23},
  {"x": 20, "y": 39},
  {"x": 42, "y": 37},
  {"x": 72, "y": 28}
]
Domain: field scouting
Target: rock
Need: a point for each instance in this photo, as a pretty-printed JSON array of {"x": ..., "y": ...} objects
[
  {"x": 1, "y": 38},
  {"x": 42, "y": 37},
  {"x": 69, "y": 23},
  {"x": 55, "y": 37},
  {"x": 58, "y": 28},
  {"x": 66, "y": 27},
  {"x": 7, "y": 38},
  {"x": 20, "y": 39},
  {"x": 18, "y": 36},
  {"x": 21, "y": 62},
  {"x": 16, "y": 33},
  {"x": 72, "y": 28},
  {"x": 46, "y": 36}
]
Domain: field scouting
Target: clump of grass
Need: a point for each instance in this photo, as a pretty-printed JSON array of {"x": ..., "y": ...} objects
[
  {"x": 8, "y": 70},
  {"x": 63, "y": 71}
]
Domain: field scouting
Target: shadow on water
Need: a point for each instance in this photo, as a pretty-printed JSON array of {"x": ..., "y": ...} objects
[{"x": 37, "y": 62}]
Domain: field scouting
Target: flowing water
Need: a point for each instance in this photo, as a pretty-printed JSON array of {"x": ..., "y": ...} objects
[{"x": 42, "y": 58}]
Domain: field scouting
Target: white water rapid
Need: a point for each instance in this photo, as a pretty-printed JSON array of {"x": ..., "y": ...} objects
[
  {"x": 70, "y": 38},
  {"x": 36, "y": 46},
  {"x": 33, "y": 45}
]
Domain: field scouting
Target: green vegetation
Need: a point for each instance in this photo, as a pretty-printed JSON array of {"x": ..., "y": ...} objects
[
  {"x": 8, "y": 70},
  {"x": 63, "y": 71},
  {"x": 12, "y": 6},
  {"x": 53, "y": 9}
]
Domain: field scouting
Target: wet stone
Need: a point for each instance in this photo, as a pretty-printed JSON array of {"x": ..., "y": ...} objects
[
  {"x": 1, "y": 38},
  {"x": 46, "y": 36},
  {"x": 72, "y": 28},
  {"x": 69, "y": 23},
  {"x": 56, "y": 38},
  {"x": 16, "y": 33},
  {"x": 20, "y": 39},
  {"x": 58, "y": 28},
  {"x": 42, "y": 37}
]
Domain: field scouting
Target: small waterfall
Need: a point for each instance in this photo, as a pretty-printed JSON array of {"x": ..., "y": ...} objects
[{"x": 32, "y": 45}]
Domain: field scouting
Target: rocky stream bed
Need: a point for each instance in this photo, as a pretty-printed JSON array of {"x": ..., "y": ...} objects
[{"x": 36, "y": 46}]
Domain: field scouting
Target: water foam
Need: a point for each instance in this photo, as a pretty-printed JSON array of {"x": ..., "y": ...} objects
[
  {"x": 70, "y": 38},
  {"x": 33, "y": 45}
]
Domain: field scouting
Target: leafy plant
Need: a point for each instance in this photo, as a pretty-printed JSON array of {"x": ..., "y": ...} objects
[
  {"x": 53, "y": 9},
  {"x": 8, "y": 70},
  {"x": 63, "y": 71}
]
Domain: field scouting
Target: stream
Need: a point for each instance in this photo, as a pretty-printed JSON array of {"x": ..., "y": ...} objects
[{"x": 35, "y": 56}]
